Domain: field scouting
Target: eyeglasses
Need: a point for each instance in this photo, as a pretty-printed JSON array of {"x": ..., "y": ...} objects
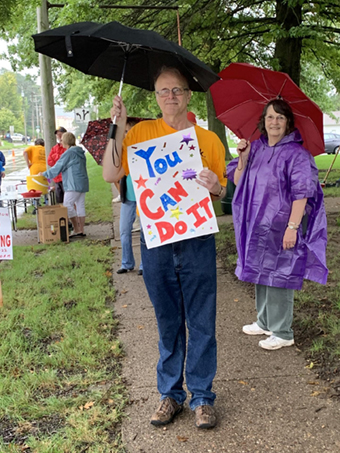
[
  {"x": 177, "y": 91},
  {"x": 279, "y": 118}
]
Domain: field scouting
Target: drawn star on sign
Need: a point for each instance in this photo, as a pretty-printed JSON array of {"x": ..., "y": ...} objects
[
  {"x": 141, "y": 182},
  {"x": 192, "y": 147},
  {"x": 176, "y": 213},
  {"x": 187, "y": 139}
]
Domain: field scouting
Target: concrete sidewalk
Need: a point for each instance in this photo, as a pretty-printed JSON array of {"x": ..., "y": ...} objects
[{"x": 266, "y": 401}]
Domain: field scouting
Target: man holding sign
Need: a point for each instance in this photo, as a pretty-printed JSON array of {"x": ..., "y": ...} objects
[{"x": 180, "y": 272}]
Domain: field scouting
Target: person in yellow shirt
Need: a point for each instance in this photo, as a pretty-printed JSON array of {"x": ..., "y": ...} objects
[
  {"x": 180, "y": 277},
  {"x": 35, "y": 157},
  {"x": 36, "y": 161}
]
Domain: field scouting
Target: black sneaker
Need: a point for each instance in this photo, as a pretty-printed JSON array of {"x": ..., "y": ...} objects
[{"x": 123, "y": 271}]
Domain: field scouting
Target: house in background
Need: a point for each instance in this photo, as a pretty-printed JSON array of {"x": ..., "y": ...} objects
[
  {"x": 64, "y": 119},
  {"x": 331, "y": 125}
]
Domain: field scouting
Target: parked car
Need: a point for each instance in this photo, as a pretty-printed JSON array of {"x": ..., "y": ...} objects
[
  {"x": 332, "y": 141},
  {"x": 16, "y": 137}
]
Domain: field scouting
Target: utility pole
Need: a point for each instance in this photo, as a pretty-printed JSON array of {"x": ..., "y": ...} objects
[
  {"x": 46, "y": 84},
  {"x": 24, "y": 108},
  {"x": 32, "y": 111}
]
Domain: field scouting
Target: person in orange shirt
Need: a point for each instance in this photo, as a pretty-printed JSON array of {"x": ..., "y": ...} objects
[
  {"x": 180, "y": 277},
  {"x": 35, "y": 157},
  {"x": 56, "y": 152},
  {"x": 36, "y": 161}
]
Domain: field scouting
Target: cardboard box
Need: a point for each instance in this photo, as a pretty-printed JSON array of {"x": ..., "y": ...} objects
[{"x": 53, "y": 224}]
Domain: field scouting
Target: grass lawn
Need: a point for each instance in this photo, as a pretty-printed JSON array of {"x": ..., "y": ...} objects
[
  {"x": 60, "y": 384},
  {"x": 323, "y": 163},
  {"x": 60, "y": 388},
  {"x": 97, "y": 201}
]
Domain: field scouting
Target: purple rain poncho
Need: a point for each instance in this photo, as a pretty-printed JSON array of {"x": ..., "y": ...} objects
[{"x": 274, "y": 177}]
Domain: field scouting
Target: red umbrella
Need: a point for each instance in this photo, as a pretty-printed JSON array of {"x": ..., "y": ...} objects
[
  {"x": 95, "y": 138},
  {"x": 244, "y": 90}
]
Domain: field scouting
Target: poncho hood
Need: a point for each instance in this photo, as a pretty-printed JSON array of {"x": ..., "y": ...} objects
[{"x": 293, "y": 137}]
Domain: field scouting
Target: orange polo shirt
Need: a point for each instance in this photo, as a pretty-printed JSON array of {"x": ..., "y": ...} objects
[{"x": 211, "y": 148}]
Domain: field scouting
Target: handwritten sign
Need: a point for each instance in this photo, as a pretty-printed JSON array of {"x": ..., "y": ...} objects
[
  {"x": 6, "y": 251},
  {"x": 171, "y": 204}
]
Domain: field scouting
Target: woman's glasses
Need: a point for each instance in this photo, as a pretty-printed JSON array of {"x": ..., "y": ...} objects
[{"x": 279, "y": 118}]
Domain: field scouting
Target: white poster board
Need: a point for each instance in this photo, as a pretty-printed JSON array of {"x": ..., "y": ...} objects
[
  {"x": 6, "y": 250},
  {"x": 171, "y": 204}
]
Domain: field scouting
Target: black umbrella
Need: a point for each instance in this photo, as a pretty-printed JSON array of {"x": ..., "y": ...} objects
[{"x": 116, "y": 52}]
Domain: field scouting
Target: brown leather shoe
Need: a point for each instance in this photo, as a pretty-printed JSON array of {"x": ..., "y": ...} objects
[
  {"x": 166, "y": 412},
  {"x": 205, "y": 417}
]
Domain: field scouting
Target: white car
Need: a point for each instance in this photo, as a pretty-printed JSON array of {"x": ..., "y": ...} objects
[{"x": 16, "y": 137}]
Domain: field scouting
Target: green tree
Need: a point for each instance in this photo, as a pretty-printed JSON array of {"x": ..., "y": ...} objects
[
  {"x": 300, "y": 37},
  {"x": 9, "y": 96},
  {"x": 7, "y": 119},
  {"x": 10, "y": 100},
  {"x": 6, "y": 10}
]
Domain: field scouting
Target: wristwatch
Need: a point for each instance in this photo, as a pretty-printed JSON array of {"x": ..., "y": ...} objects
[{"x": 219, "y": 193}]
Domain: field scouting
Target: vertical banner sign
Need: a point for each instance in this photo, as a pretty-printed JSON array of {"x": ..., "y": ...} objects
[
  {"x": 171, "y": 204},
  {"x": 6, "y": 252}
]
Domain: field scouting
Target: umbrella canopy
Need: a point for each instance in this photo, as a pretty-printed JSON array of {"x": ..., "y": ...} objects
[
  {"x": 95, "y": 138},
  {"x": 102, "y": 50},
  {"x": 244, "y": 90}
]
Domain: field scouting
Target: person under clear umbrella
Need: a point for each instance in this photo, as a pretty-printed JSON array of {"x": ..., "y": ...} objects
[
  {"x": 180, "y": 277},
  {"x": 280, "y": 222}
]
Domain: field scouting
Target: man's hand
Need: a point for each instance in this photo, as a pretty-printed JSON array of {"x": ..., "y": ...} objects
[
  {"x": 119, "y": 111},
  {"x": 2, "y": 174},
  {"x": 209, "y": 180}
]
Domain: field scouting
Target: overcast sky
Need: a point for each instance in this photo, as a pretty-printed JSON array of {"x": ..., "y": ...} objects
[{"x": 4, "y": 64}]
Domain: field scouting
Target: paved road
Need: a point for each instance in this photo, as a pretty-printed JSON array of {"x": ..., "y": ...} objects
[{"x": 16, "y": 169}]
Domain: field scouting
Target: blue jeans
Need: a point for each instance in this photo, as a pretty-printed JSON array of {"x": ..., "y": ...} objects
[
  {"x": 127, "y": 217},
  {"x": 181, "y": 281}
]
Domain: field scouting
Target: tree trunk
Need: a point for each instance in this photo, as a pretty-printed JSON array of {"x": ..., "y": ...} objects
[
  {"x": 216, "y": 125},
  {"x": 288, "y": 49},
  {"x": 46, "y": 86}
]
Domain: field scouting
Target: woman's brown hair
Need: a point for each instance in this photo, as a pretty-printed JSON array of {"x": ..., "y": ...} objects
[{"x": 283, "y": 108}]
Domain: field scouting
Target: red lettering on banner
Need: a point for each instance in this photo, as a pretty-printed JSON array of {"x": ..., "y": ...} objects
[
  {"x": 181, "y": 227},
  {"x": 165, "y": 230},
  {"x": 205, "y": 205},
  {"x": 148, "y": 193},
  {"x": 177, "y": 192},
  {"x": 199, "y": 219},
  {"x": 5, "y": 241}
]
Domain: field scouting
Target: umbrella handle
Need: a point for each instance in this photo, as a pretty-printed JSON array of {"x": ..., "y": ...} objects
[
  {"x": 112, "y": 130},
  {"x": 113, "y": 126}
]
